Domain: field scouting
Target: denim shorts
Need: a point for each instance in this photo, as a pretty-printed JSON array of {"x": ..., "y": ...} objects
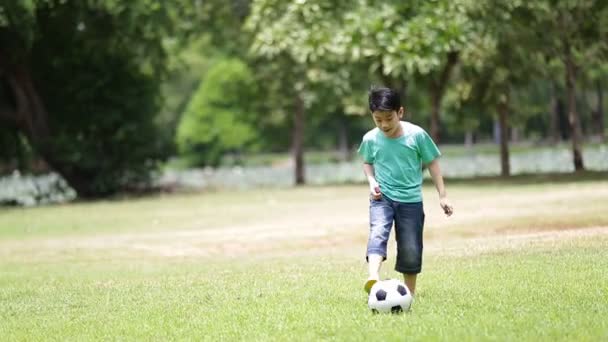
[{"x": 409, "y": 224}]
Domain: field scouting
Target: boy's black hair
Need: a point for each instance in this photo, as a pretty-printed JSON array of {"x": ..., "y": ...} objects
[{"x": 383, "y": 99}]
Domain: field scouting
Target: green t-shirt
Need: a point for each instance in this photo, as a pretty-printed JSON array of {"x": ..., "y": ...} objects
[{"x": 398, "y": 161}]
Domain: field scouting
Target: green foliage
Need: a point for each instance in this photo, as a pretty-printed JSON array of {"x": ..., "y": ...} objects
[
  {"x": 214, "y": 32},
  {"x": 102, "y": 100},
  {"x": 407, "y": 43},
  {"x": 15, "y": 152},
  {"x": 97, "y": 66},
  {"x": 221, "y": 116},
  {"x": 140, "y": 23},
  {"x": 498, "y": 67},
  {"x": 186, "y": 64},
  {"x": 301, "y": 30},
  {"x": 105, "y": 60},
  {"x": 400, "y": 37},
  {"x": 222, "y": 21},
  {"x": 107, "y": 131},
  {"x": 360, "y": 43}
]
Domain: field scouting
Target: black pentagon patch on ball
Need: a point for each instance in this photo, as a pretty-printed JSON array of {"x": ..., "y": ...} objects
[
  {"x": 381, "y": 295},
  {"x": 396, "y": 309},
  {"x": 401, "y": 289}
]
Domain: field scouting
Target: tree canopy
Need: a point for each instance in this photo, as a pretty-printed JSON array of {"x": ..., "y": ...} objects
[
  {"x": 81, "y": 84},
  {"x": 104, "y": 91}
]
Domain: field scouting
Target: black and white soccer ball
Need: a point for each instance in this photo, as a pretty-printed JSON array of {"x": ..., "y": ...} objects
[{"x": 389, "y": 296}]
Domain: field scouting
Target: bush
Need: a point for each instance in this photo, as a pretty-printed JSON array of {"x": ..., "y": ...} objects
[
  {"x": 102, "y": 104},
  {"x": 221, "y": 116}
]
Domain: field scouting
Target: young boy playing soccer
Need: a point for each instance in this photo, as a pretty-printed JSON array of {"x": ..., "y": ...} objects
[{"x": 393, "y": 154}]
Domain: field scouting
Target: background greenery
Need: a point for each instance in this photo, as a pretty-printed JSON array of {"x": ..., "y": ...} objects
[{"x": 108, "y": 93}]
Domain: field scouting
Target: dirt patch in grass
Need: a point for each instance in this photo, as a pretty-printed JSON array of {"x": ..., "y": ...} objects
[
  {"x": 188, "y": 244},
  {"x": 335, "y": 220},
  {"x": 500, "y": 242}
]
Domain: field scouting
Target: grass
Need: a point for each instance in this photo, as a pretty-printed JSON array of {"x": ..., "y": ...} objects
[
  {"x": 287, "y": 265},
  {"x": 545, "y": 294}
]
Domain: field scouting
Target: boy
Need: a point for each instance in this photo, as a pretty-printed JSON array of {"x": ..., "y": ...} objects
[{"x": 393, "y": 154}]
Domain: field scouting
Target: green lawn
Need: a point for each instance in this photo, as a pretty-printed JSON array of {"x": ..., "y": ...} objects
[{"x": 516, "y": 262}]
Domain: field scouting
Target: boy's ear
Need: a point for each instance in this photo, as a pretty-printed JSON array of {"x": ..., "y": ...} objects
[{"x": 400, "y": 112}]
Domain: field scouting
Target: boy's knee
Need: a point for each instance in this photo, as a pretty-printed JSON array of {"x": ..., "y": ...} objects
[
  {"x": 409, "y": 259},
  {"x": 375, "y": 256}
]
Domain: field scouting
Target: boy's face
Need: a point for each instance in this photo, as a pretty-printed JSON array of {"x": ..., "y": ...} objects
[{"x": 388, "y": 121}]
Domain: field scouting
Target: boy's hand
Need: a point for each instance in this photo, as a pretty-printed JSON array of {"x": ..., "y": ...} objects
[
  {"x": 446, "y": 206},
  {"x": 374, "y": 190}
]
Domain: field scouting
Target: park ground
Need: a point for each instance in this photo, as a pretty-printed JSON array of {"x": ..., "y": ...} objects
[{"x": 521, "y": 259}]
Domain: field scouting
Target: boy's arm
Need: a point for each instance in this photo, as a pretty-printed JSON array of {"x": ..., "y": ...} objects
[
  {"x": 374, "y": 188},
  {"x": 435, "y": 172}
]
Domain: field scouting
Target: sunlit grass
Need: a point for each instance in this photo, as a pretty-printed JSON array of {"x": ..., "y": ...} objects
[
  {"x": 556, "y": 293},
  {"x": 551, "y": 200}
]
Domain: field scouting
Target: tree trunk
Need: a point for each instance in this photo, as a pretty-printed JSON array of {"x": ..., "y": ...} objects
[
  {"x": 26, "y": 111},
  {"x": 468, "y": 138},
  {"x": 435, "y": 116},
  {"x": 437, "y": 91},
  {"x": 496, "y": 131},
  {"x": 298, "y": 140},
  {"x": 503, "y": 121},
  {"x": 554, "y": 136},
  {"x": 564, "y": 126},
  {"x": 573, "y": 117},
  {"x": 599, "y": 112},
  {"x": 515, "y": 135}
]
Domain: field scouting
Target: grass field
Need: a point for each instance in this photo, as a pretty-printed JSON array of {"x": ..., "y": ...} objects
[{"x": 517, "y": 261}]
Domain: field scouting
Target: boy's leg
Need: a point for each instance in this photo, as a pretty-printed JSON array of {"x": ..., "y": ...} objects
[
  {"x": 409, "y": 225},
  {"x": 410, "y": 281},
  {"x": 381, "y": 221},
  {"x": 374, "y": 262}
]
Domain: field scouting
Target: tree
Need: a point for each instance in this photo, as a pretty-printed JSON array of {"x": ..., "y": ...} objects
[
  {"x": 293, "y": 38},
  {"x": 499, "y": 64},
  {"x": 572, "y": 31},
  {"x": 213, "y": 31},
  {"x": 222, "y": 116},
  {"x": 409, "y": 42},
  {"x": 398, "y": 42},
  {"x": 81, "y": 83}
]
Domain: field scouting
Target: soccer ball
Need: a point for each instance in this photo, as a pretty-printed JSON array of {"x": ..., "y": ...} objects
[{"x": 389, "y": 296}]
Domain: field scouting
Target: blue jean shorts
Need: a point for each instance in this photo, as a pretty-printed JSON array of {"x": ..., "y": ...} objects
[{"x": 408, "y": 219}]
